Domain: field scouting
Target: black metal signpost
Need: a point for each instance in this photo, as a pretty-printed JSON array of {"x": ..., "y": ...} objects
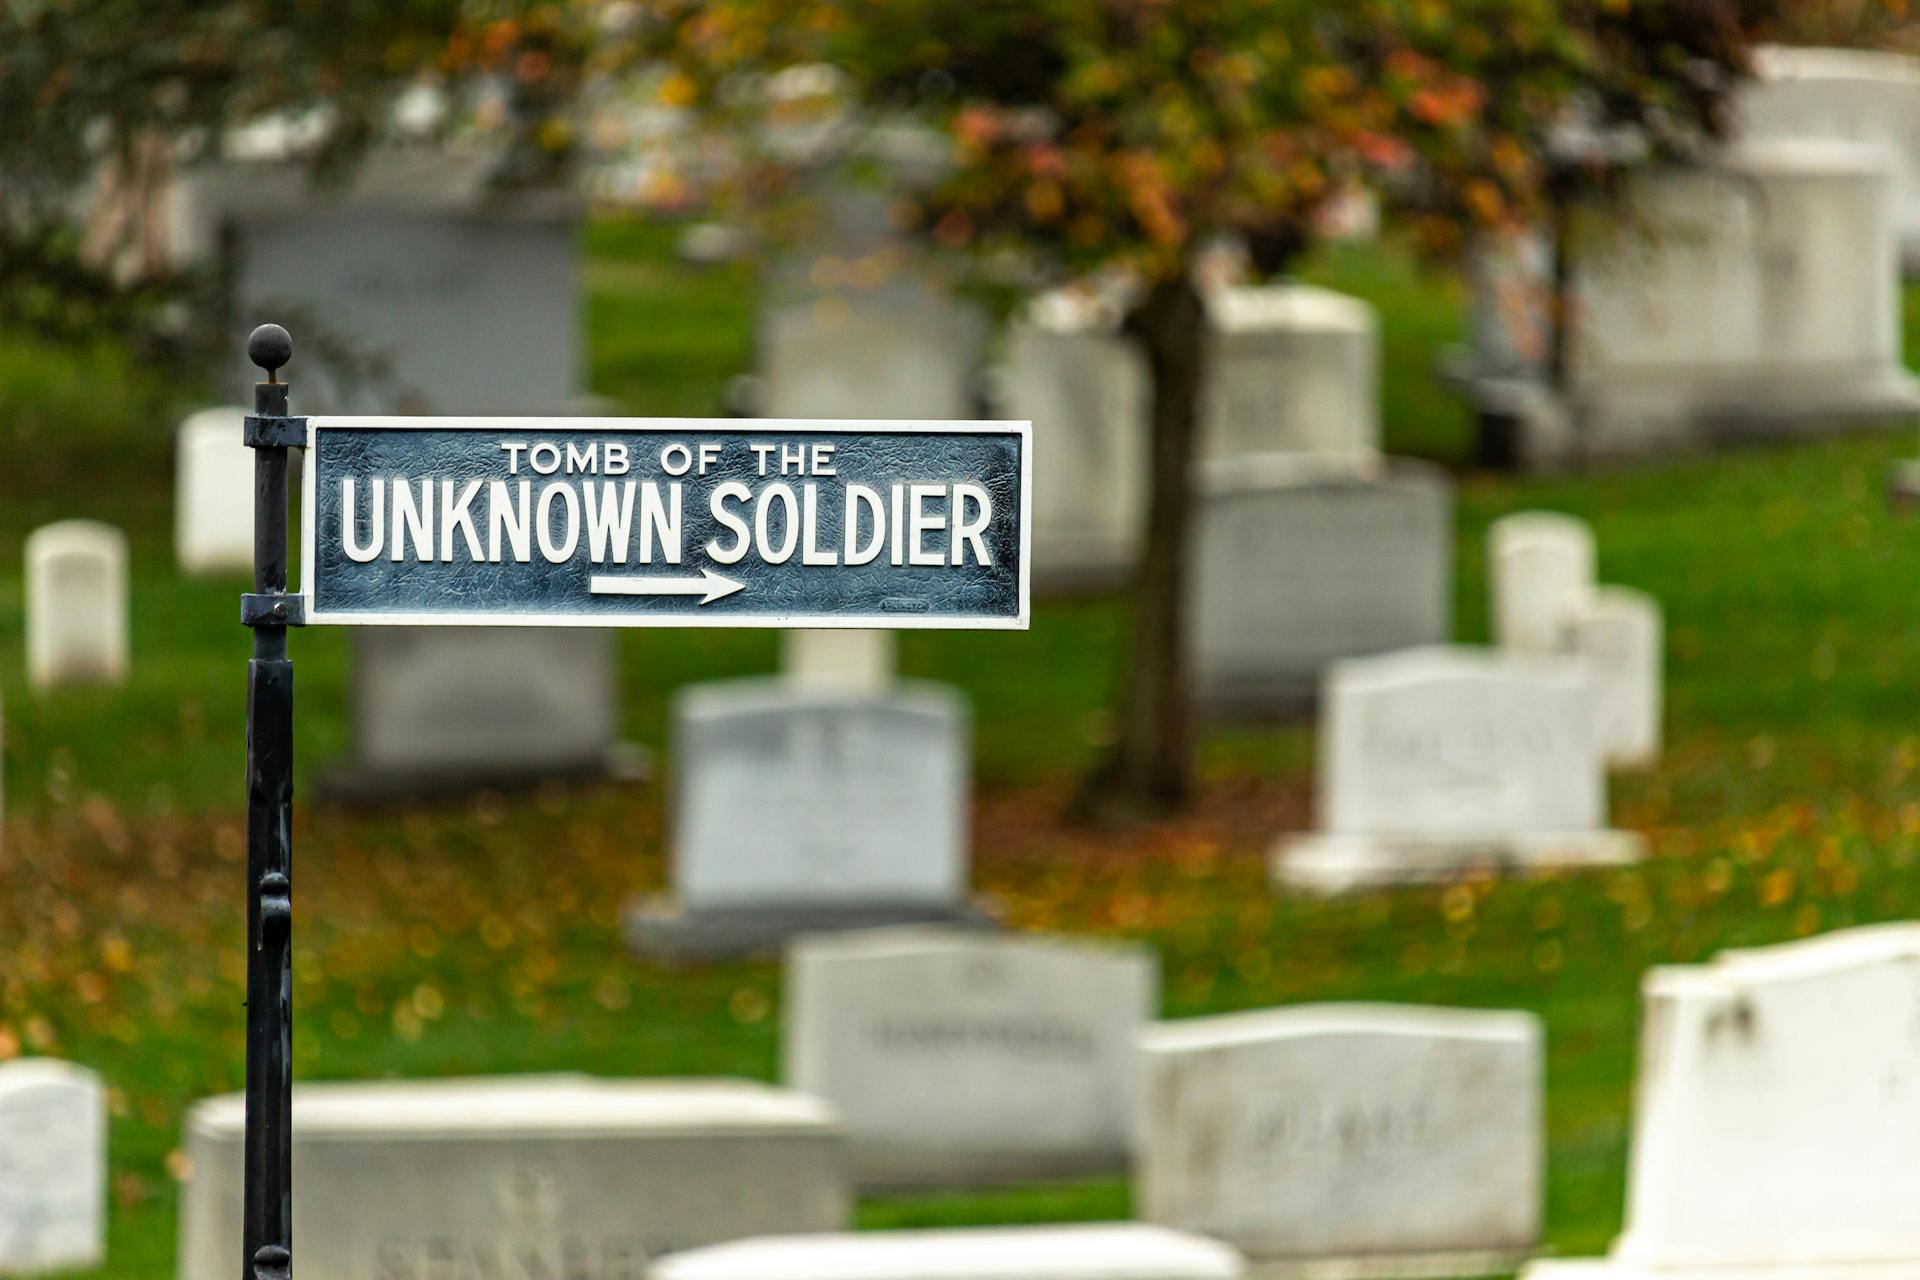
[{"x": 677, "y": 522}]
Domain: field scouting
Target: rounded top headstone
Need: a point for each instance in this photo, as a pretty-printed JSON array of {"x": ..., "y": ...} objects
[{"x": 270, "y": 347}]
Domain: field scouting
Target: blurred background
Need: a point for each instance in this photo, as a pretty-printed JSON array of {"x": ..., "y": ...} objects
[{"x": 1472, "y": 449}]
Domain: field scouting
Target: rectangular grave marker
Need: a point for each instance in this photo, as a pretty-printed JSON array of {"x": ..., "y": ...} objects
[
  {"x": 1776, "y": 1113},
  {"x": 958, "y": 1056},
  {"x": 53, "y": 1167},
  {"x": 518, "y": 1178},
  {"x": 1403, "y": 1140},
  {"x": 77, "y": 610},
  {"x": 1438, "y": 761},
  {"x": 1075, "y": 1251}
]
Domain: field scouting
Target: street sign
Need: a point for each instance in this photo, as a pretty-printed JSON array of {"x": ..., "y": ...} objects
[{"x": 675, "y": 522}]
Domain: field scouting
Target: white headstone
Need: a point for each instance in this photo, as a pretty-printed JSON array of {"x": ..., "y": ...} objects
[
  {"x": 786, "y": 798},
  {"x": 833, "y": 660},
  {"x": 1083, "y": 385},
  {"x": 1395, "y": 1134},
  {"x": 417, "y": 287},
  {"x": 445, "y": 705},
  {"x": 1298, "y": 561},
  {"x": 958, "y": 1057},
  {"x": 1775, "y": 264},
  {"x": 53, "y": 1167},
  {"x": 1755, "y": 295},
  {"x": 1843, "y": 95},
  {"x": 1291, "y": 367},
  {"x": 903, "y": 348},
  {"x": 1777, "y": 1109},
  {"x": 1540, "y": 570},
  {"x": 213, "y": 494},
  {"x": 538, "y": 1175},
  {"x": 76, "y": 604},
  {"x": 1436, "y": 759},
  {"x": 1097, "y": 1251},
  {"x": 1620, "y": 634}
]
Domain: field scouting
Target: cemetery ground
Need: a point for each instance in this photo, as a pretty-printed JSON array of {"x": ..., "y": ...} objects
[{"x": 483, "y": 936}]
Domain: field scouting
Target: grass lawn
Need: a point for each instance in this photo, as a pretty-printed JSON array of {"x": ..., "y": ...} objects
[{"x": 482, "y": 937}]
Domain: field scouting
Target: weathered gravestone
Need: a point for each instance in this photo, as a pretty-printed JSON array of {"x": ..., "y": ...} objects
[
  {"x": 1358, "y": 1139},
  {"x": 1299, "y": 560},
  {"x": 423, "y": 289},
  {"x": 1776, "y": 1113},
  {"x": 535, "y": 1176},
  {"x": 1540, "y": 570},
  {"x": 838, "y": 660},
  {"x": 213, "y": 494},
  {"x": 76, "y": 604},
  {"x": 901, "y": 348},
  {"x": 1081, "y": 1251},
  {"x": 957, "y": 1057},
  {"x": 1753, "y": 296},
  {"x": 476, "y": 706},
  {"x": 1291, "y": 367},
  {"x": 53, "y": 1167},
  {"x": 1438, "y": 761},
  {"x": 1620, "y": 634},
  {"x": 1843, "y": 95},
  {"x": 796, "y": 810},
  {"x": 1084, "y": 387}
]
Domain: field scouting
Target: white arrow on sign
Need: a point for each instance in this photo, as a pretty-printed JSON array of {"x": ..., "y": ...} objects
[{"x": 709, "y": 586}]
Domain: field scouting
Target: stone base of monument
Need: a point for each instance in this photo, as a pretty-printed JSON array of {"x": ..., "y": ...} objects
[
  {"x": 357, "y": 785},
  {"x": 1319, "y": 863},
  {"x": 1390, "y": 1266},
  {"x": 1535, "y": 427},
  {"x": 660, "y": 927},
  {"x": 1621, "y": 1269}
]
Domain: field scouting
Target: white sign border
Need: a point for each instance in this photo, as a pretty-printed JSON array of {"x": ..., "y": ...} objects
[{"x": 688, "y": 621}]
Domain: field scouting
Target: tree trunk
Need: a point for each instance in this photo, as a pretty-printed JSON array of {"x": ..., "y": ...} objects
[{"x": 1150, "y": 768}]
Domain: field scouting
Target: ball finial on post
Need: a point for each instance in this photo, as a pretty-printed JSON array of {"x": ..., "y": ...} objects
[{"x": 270, "y": 346}]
